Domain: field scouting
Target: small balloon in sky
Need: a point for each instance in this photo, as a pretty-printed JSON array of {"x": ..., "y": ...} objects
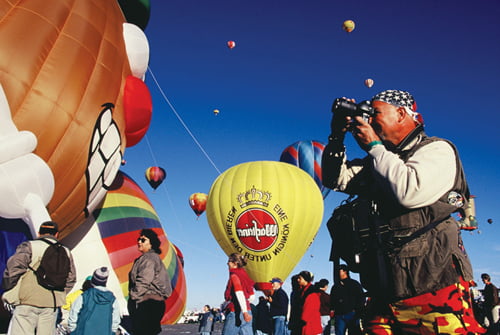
[
  {"x": 216, "y": 112},
  {"x": 369, "y": 82},
  {"x": 490, "y": 221},
  {"x": 231, "y": 44},
  {"x": 348, "y": 25},
  {"x": 198, "y": 203},
  {"x": 155, "y": 176}
]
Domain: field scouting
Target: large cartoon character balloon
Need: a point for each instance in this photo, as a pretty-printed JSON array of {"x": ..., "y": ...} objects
[
  {"x": 64, "y": 117},
  {"x": 112, "y": 242},
  {"x": 268, "y": 211}
]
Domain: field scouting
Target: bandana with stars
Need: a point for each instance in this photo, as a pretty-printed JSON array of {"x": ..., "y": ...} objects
[{"x": 400, "y": 99}]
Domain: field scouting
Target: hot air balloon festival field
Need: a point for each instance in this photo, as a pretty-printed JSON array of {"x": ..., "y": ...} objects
[{"x": 183, "y": 115}]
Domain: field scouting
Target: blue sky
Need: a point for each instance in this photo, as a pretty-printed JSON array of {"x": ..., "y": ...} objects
[{"x": 291, "y": 60}]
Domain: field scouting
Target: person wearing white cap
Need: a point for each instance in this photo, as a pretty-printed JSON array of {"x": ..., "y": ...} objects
[
  {"x": 414, "y": 182},
  {"x": 96, "y": 311}
]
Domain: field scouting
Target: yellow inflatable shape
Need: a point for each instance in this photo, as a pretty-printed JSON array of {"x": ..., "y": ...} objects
[
  {"x": 348, "y": 25},
  {"x": 269, "y": 212}
]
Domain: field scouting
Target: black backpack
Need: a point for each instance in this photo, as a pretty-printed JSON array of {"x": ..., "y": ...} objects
[{"x": 54, "y": 267}]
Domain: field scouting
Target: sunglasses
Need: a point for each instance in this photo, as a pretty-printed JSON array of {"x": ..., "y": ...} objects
[{"x": 142, "y": 239}]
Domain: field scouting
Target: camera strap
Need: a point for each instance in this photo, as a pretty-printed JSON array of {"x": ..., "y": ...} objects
[{"x": 399, "y": 242}]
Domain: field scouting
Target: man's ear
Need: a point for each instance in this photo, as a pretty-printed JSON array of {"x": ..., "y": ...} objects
[{"x": 401, "y": 114}]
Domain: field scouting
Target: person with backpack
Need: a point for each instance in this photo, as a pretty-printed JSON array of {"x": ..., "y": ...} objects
[
  {"x": 40, "y": 273},
  {"x": 96, "y": 311}
]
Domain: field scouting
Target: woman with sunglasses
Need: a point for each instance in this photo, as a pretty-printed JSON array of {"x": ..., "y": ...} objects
[
  {"x": 149, "y": 286},
  {"x": 238, "y": 295}
]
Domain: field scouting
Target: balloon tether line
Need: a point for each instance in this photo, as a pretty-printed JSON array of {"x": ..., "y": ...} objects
[{"x": 181, "y": 121}]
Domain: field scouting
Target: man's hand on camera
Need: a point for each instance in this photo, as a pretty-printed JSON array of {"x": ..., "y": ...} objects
[{"x": 363, "y": 132}]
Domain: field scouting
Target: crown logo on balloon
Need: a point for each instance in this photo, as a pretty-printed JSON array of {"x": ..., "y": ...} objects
[{"x": 254, "y": 196}]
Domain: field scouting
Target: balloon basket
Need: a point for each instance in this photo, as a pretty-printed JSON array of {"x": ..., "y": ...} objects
[{"x": 265, "y": 286}]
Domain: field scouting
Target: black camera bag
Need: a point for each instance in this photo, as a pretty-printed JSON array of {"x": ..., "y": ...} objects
[{"x": 359, "y": 237}]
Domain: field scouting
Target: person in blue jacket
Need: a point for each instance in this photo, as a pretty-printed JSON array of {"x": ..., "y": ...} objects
[
  {"x": 206, "y": 321},
  {"x": 96, "y": 311}
]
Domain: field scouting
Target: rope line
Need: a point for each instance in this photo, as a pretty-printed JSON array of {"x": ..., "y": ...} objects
[{"x": 182, "y": 122}]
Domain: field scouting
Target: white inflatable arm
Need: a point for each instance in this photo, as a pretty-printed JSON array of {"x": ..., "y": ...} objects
[{"x": 26, "y": 181}]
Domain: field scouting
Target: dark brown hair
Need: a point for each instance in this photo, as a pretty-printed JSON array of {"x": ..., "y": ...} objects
[{"x": 153, "y": 239}]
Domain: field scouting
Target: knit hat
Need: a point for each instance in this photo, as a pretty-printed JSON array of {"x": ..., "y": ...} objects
[
  {"x": 100, "y": 276},
  {"x": 308, "y": 276},
  {"x": 400, "y": 99},
  {"x": 276, "y": 280}
]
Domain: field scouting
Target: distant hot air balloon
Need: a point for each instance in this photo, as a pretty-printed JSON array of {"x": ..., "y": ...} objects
[
  {"x": 269, "y": 212},
  {"x": 216, "y": 112},
  {"x": 155, "y": 176},
  {"x": 198, "y": 202},
  {"x": 369, "y": 82},
  {"x": 231, "y": 44},
  {"x": 490, "y": 221},
  {"x": 348, "y": 25},
  {"x": 307, "y": 156}
]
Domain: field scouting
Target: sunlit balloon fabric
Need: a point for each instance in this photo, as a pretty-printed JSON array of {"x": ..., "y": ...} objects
[
  {"x": 348, "y": 25},
  {"x": 127, "y": 210},
  {"x": 63, "y": 67},
  {"x": 268, "y": 211},
  {"x": 307, "y": 156},
  {"x": 155, "y": 176},
  {"x": 198, "y": 202}
]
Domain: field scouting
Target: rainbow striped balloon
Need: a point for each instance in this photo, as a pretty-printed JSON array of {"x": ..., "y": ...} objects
[{"x": 125, "y": 211}]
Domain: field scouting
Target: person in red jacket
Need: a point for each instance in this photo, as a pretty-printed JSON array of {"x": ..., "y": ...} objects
[
  {"x": 311, "y": 316},
  {"x": 238, "y": 295}
]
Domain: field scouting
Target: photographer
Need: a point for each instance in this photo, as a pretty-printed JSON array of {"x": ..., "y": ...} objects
[{"x": 419, "y": 283}]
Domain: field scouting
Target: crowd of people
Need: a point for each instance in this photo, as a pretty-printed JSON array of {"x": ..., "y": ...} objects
[
  {"x": 311, "y": 310},
  {"x": 41, "y": 273},
  {"x": 306, "y": 311}
]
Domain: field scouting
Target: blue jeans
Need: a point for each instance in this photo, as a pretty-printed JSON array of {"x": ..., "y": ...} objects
[
  {"x": 230, "y": 327},
  {"x": 279, "y": 323},
  {"x": 346, "y": 321}
]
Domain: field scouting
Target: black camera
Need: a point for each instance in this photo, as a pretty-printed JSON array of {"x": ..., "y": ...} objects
[{"x": 344, "y": 107}]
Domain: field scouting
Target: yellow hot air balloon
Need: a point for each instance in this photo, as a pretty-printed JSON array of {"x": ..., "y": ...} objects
[
  {"x": 348, "y": 25},
  {"x": 269, "y": 212}
]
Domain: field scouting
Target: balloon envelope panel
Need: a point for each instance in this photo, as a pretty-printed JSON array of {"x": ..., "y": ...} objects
[
  {"x": 307, "y": 156},
  {"x": 268, "y": 211},
  {"x": 59, "y": 64}
]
